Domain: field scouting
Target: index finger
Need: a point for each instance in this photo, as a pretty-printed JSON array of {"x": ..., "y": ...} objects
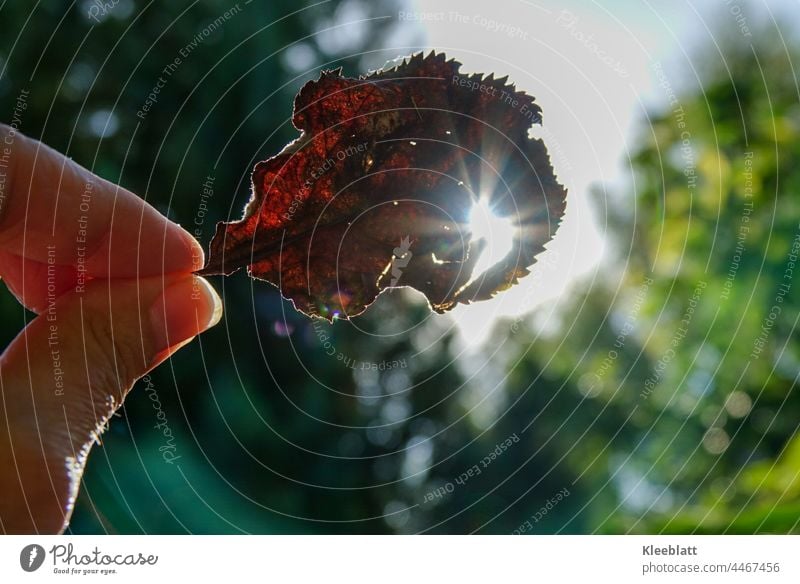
[{"x": 54, "y": 211}]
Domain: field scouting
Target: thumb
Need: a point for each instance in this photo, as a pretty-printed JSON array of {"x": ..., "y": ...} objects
[{"x": 69, "y": 370}]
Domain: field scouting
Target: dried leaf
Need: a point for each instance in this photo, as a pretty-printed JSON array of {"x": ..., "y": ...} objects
[{"x": 377, "y": 190}]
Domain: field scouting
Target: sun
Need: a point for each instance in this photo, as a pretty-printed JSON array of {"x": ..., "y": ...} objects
[{"x": 498, "y": 232}]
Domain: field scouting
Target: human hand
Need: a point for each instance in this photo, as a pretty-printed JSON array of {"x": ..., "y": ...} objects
[{"x": 111, "y": 282}]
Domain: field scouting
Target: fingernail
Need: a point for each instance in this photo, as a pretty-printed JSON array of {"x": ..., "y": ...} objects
[{"x": 184, "y": 310}]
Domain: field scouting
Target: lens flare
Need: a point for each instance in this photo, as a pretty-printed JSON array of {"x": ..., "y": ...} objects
[{"x": 498, "y": 232}]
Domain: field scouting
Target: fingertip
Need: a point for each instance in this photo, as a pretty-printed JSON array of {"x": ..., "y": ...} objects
[
  {"x": 191, "y": 256},
  {"x": 181, "y": 252},
  {"x": 140, "y": 242}
]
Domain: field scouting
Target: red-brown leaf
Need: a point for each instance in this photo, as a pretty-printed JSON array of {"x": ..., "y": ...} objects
[{"x": 377, "y": 190}]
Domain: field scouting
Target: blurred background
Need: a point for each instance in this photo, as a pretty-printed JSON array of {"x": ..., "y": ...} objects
[{"x": 642, "y": 379}]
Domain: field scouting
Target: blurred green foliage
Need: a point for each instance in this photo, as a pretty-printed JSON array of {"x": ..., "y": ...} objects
[
  {"x": 282, "y": 425},
  {"x": 706, "y": 366}
]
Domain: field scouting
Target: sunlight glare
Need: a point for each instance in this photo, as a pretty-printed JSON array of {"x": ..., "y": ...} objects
[{"x": 497, "y": 231}]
